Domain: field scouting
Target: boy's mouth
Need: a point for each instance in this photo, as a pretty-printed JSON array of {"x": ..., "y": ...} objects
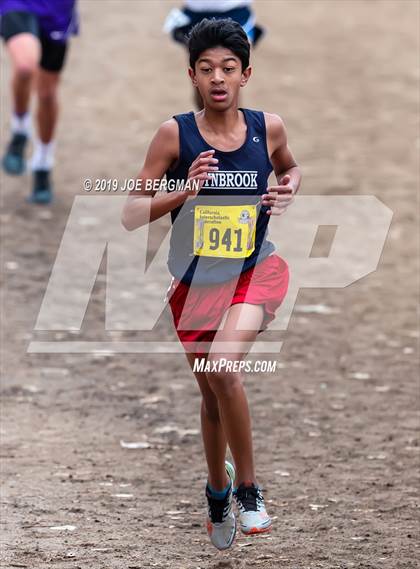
[{"x": 218, "y": 94}]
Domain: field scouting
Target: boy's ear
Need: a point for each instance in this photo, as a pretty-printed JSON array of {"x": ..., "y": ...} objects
[
  {"x": 246, "y": 74},
  {"x": 191, "y": 73}
]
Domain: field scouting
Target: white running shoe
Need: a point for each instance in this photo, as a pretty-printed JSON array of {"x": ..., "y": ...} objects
[
  {"x": 253, "y": 516},
  {"x": 221, "y": 521}
]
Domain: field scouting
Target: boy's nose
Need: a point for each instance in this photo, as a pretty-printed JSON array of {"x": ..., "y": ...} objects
[{"x": 217, "y": 77}]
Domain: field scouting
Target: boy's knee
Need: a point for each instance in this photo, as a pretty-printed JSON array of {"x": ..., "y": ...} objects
[
  {"x": 25, "y": 70},
  {"x": 222, "y": 380}
]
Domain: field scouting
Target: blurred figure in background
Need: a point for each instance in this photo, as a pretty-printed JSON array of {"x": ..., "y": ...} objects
[
  {"x": 36, "y": 34},
  {"x": 180, "y": 22}
]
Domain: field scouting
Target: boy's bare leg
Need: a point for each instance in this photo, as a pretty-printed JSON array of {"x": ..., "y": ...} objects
[
  {"x": 47, "y": 90},
  {"x": 24, "y": 51},
  {"x": 228, "y": 386},
  {"x": 214, "y": 438},
  {"x": 42, "y": 161}
]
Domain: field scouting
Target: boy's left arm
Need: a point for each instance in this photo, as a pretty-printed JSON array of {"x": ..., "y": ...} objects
[{"x": 287, "y": 172}]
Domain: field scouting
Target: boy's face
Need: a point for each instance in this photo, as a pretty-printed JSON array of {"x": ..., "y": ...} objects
[{"x": 218, "y": 75}]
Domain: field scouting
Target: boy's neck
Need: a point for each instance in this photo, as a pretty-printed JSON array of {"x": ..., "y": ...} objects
[{"x": 219, "y": 121}]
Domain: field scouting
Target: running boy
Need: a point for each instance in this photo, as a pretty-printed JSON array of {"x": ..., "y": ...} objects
[
  {"x": 36, "y": 33},
  {"x": 227, "y": 283}
]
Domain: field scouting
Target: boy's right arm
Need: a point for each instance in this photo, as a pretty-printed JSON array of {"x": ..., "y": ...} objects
[
  {"x": 141, "y": 206},
  {"x": 163, "y": 151}
]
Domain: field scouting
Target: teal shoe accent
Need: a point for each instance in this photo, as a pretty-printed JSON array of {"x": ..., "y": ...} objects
[
  {"x": 230, "y": 469},
  {"x": 42, "y": 188},
  {"x": 14, "y": 159}
]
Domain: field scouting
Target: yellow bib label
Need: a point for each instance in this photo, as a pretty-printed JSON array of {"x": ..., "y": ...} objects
[{"x": 224, "y": 231}]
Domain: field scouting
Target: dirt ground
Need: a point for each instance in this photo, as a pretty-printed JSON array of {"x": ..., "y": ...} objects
[{"x": 335, "y": 428}]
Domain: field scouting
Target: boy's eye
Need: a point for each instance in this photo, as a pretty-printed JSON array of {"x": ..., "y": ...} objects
[
  {"x": 229, "y": 69},
  {"x": 205, "y": 69}
]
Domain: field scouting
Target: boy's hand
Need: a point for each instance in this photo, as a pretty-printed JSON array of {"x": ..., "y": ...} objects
[
  {"x": 279, "y": 197},
  {"x": 200, "y": 169}
]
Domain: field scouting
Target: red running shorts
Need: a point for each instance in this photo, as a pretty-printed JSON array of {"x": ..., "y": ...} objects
[{"x": 197, "y": 318}]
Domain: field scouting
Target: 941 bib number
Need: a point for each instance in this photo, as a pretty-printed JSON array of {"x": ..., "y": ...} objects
[{"x": 224, "y": 231}]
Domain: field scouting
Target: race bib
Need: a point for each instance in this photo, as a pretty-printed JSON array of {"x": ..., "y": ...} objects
[{"x": 224, "y": 231}]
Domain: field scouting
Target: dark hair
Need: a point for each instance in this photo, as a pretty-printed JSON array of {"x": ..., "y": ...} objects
[{"x": 218, "y": 33}]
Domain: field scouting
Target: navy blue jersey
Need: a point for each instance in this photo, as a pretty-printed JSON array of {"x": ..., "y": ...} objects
[{"x": 241, "y": 179}]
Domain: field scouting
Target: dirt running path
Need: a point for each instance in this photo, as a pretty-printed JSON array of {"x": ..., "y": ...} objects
[{"x": 335, "y": 429}]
